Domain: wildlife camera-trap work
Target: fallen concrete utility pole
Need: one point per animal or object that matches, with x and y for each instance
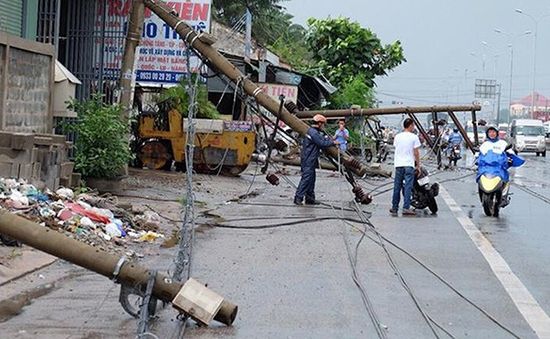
(201, 43)
(112, 267)
(340, 113)
(410, 111)
(371, 171)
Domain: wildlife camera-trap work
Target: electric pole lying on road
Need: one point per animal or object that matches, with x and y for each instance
(191, 298)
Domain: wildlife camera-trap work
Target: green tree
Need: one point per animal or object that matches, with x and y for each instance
(354, 92)
(177, 97)
(291, 49)
(101, 144)
(269, 19)
(271, 27)
(342, 49)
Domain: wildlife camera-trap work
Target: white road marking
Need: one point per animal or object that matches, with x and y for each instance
(520, 295)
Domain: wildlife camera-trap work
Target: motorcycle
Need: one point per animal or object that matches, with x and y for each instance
(454, 154)
(424, 193)
(493, 183)
(383, 151)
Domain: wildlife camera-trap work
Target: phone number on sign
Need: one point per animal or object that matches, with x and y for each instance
(158, 76)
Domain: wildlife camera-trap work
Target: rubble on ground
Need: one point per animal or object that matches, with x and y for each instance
(99, 221)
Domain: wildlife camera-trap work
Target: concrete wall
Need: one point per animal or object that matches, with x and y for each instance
(26, 85)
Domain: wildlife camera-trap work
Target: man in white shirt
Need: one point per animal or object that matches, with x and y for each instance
(406, 159)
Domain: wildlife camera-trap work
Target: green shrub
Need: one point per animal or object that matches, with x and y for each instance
(101, 146)
(177, 97)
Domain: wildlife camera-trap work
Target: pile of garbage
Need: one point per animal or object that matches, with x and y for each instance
(96, 220)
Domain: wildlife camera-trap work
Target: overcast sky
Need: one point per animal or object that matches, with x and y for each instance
(439, 37)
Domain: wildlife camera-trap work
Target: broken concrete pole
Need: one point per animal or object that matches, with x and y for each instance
(101, 262)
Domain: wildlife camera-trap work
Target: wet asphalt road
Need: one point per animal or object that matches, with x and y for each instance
(522, 232)
(296, 281)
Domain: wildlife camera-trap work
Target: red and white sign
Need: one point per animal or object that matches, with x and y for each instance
(161, 57)
(275, 90)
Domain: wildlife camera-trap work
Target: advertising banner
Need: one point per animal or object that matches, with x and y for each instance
(275, 90)
(161, 57)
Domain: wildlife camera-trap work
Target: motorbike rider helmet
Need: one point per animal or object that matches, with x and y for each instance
(490, 128)
(319, 118)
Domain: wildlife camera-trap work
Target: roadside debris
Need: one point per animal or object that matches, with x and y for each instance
(96, 220)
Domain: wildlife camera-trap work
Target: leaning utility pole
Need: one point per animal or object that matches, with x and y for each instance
(135, 28)
(201, 43)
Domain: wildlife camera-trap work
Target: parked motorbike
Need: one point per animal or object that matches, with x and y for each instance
(454, 154)
(424, 193)
(493, 187)
(383, 151)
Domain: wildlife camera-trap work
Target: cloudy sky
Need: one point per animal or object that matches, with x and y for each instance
(442, 40)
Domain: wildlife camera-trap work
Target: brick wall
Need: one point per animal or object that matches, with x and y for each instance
(26, 85)
(28, 92)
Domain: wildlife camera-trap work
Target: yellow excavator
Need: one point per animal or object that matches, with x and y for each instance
(221, 146)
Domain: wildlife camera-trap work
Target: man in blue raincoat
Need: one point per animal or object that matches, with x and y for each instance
(313, 142)
(494, 158)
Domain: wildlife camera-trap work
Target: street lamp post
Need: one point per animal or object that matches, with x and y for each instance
(482, 61)
(536, 22)
(495, 57)
(511, 46)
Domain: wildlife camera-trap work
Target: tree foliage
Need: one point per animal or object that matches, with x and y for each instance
(177, 97)
(271, 27)
(269, 19)
(343, 49)
(290, 48)
(354, 92)
(101, 144)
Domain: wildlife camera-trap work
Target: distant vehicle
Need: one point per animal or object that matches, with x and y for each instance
(528, 135)
(503, 131)
(547, 130)
(470, 132)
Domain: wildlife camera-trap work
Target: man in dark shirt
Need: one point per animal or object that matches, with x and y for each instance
(313, 142)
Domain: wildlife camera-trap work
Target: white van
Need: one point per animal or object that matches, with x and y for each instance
(527, 135)
(470, 132)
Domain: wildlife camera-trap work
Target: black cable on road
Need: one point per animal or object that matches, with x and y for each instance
(284, 224)
(442, 280)
(430, 322)
(533, 193)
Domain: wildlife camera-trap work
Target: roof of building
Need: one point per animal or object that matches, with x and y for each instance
(540, 100)
(62, 73)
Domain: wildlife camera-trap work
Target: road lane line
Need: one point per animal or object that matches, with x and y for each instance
(520, 295)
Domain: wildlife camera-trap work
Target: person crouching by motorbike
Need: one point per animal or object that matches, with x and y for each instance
(494, 159)
(313, 142)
